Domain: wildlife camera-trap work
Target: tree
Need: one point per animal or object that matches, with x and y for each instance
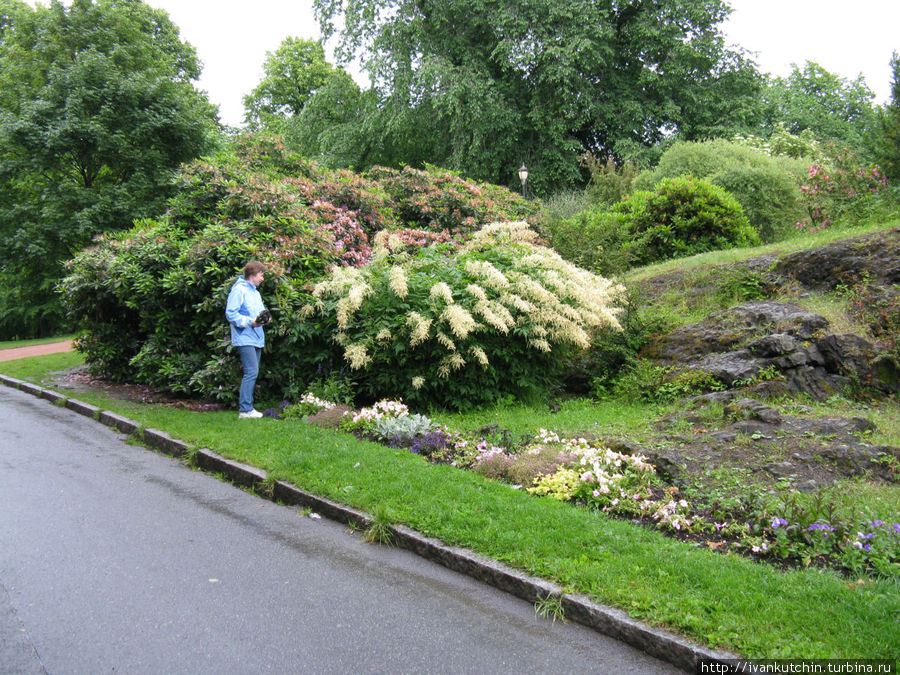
(316, 106)
(888, 132)
(482, 86)
(831, 107)
(292, 75)
(97, 111)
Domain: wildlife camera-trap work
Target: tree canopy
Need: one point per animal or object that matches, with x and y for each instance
(292, 75)
(97, 111)
(888, 130)
(831, 107)
(481, 87)
(315, 105)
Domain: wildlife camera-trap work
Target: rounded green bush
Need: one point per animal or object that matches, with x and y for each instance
(766, 187)
(681, 217)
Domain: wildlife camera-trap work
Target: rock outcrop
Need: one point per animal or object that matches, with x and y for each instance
(779, 339)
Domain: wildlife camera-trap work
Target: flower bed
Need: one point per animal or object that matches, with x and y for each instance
(585, 472)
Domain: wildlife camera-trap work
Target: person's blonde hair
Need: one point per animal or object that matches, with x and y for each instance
(253, 267)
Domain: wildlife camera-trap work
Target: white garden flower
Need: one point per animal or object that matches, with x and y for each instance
(357, 356)
(397, 281)
(460, 321)
(419, 328)
(441, 290)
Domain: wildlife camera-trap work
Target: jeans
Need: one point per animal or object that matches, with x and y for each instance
(250, 361)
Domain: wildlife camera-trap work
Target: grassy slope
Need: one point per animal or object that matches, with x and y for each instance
(728, 602)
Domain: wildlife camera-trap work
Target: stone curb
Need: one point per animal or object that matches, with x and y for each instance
(615, 623)
(123, 424)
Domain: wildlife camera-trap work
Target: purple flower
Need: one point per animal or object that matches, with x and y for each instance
(778, 522)
(896, 527)
(864, 547)
(877, 523)
(861, 535)
(820, 526)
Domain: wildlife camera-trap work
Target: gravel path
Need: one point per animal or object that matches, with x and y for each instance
(35, 350)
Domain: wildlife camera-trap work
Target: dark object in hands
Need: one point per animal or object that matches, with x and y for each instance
(264, 318)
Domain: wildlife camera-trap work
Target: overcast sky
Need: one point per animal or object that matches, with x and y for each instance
(846, 38)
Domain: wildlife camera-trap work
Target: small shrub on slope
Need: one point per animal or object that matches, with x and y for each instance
(683, 216)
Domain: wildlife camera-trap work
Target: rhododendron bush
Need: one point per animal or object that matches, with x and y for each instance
(390, 275)
(461, 325)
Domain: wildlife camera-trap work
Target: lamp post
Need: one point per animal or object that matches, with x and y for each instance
(523, 176)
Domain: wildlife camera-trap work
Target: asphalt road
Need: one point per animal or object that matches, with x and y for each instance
(114, 559)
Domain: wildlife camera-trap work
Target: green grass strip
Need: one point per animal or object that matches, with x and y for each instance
(731, 255)
(9, 344)
(723, 601)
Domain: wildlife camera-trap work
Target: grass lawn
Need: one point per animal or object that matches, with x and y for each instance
(727, 602)
(8, 344)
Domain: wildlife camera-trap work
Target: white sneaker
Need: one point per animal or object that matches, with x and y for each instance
(250, 414)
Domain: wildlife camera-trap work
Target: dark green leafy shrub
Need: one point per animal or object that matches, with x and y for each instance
(683, 216)
(613, 353)
(766, 187)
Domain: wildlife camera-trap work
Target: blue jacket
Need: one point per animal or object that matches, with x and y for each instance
(243, 306)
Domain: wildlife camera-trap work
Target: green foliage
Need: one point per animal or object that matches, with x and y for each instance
(331, 128)
(614, 354)
(291, 77)
(380, 530)
(594, 239)
(650, 383)
(500, 316)
(681, 217)
(151, 300)
(740, 285)
(832, 108)
(766, 187)
(97, 112)
(550, 607)
(887, 137)
(566, 204)
(481, 87)
(609, 182)
(782, 143)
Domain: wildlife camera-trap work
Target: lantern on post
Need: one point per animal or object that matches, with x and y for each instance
(523, 176)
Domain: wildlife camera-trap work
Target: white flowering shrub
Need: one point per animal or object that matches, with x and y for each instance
(458, 327)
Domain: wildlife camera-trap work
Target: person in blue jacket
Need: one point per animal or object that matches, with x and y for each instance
(247, 336)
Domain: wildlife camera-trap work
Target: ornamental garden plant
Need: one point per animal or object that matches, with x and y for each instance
(457, 326)
(358, 265)
(793, 531)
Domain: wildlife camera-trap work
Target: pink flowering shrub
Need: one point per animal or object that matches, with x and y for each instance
(436, 200)
(838, 189)
(151, 300)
